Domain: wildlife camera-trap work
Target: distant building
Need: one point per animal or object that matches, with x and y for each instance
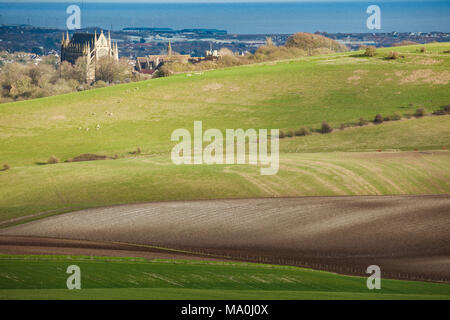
(212, 54)
(144, 65)
(92, 47)
(150, 63)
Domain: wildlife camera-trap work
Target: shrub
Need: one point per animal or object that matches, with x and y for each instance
(404, 43)
(164, 71)
(309, 42)
(223, 52)
(270, 53)
(87, 157)
(394, 117)
(421, 112)
(423, 49)
(99, 84)
(269, 41)
(303, 132)
(137, 151)
(110, 70)
(362, 122)
(282, 134)
(6, 167)
(325, 128)
(393, 55)
(408, 115)
(52, 160)
(370, 51)
(378, 119)
(228, 61)
(440, 112)
(290, 134)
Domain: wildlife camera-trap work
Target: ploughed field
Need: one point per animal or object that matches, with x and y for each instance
(407, 236)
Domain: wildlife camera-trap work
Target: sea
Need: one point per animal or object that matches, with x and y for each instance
(238, 18)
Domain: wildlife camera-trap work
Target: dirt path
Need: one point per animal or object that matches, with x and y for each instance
(407, 236)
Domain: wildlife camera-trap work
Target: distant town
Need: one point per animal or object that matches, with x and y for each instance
(37, 62)
(140, 42)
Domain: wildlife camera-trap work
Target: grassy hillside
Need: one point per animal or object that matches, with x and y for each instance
(429, 133)
(338, 88)
(33, 277)
(71, 186)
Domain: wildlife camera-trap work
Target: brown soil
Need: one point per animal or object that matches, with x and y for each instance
(52, 246)
(407, 236)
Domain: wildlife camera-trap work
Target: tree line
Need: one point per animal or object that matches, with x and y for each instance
(22, 81)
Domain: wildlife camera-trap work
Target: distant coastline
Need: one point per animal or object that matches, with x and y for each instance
(237, 18)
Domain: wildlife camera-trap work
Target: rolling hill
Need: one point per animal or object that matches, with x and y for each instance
(338, 88)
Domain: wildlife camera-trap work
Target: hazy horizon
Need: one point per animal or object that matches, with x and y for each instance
(239, 17)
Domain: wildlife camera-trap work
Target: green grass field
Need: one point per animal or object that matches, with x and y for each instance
(338, 88)
(44, 277)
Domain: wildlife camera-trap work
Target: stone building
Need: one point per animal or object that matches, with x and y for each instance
(91, 47)
(153, 62)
